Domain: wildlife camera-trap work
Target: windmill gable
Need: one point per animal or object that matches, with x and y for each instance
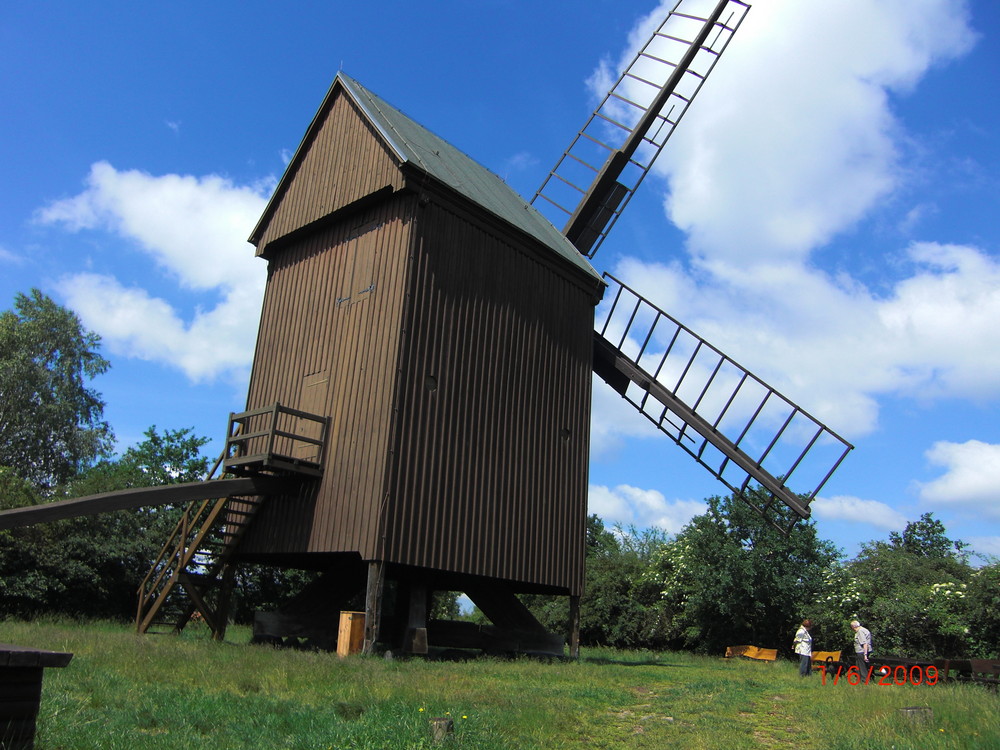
(434, 156)
(341, 161)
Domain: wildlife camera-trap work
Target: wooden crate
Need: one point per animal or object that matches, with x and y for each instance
(351, 636)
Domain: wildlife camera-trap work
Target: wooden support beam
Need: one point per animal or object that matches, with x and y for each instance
(501, 605)
(574, 627)
(227, 580)
(373, 604)
(169, 494)
(194, 593)
(415, 637)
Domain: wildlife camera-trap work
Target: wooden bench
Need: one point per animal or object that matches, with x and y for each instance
(21, 691)
(980, 671)
(825, 659)
(752, 652)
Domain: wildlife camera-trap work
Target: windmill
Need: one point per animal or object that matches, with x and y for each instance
(418, 409)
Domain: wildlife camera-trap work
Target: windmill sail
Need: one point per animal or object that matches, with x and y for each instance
(738, 427)
(593, 181)
(733, 423)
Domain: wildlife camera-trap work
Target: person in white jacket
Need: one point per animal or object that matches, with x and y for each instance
(862, 645)
(803, 646)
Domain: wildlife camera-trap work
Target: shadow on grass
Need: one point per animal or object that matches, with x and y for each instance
(465, 655)
(604, 661)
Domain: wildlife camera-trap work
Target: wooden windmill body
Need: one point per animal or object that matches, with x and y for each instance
(445, 328)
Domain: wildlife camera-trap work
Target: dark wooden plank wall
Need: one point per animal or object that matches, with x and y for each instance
(323, 353)
(497, 368)
(343, 162)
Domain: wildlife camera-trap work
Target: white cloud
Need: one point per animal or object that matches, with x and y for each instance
(941, 323)
(834, 346)
(521, 161)
(195, 229)
(792, 141)
(135, 324)
(613, 420)
(908, 224)
(633, 506)
(855, 510)
(7, 256)
(985, 545)
(971, 479)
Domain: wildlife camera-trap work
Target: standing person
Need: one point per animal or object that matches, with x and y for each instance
(862, 646)
(803, 646)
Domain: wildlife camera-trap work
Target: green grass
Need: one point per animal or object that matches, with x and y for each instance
(125, 691)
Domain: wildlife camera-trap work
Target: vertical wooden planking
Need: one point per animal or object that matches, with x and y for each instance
(358, 342)
(450, 380)
(481, 483)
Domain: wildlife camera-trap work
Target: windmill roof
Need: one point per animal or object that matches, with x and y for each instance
(416, 145)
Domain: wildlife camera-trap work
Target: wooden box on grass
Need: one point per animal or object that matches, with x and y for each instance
(352, 633)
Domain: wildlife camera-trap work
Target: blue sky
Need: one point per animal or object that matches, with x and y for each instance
(826, 213)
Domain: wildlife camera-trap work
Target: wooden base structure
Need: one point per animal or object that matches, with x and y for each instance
(397, 604)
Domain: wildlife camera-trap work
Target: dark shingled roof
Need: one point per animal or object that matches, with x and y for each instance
(433, 155)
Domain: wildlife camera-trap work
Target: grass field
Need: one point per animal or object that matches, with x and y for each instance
(124, 691)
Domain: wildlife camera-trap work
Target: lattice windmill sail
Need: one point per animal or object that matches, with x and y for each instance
(730, 421)
(591, 184)
(735, 425)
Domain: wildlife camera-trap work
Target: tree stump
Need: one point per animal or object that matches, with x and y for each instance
(918, 714)
(442, 727)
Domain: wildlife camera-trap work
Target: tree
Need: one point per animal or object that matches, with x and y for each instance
(600, 541)
(618, 606)
(730, 577)
(51, 422)
(983, 607)
(170, 458)
(91, 566)
(926, 538)
(265, 588)
(912, 591)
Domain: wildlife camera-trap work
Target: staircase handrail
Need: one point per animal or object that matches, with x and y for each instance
(161, 567)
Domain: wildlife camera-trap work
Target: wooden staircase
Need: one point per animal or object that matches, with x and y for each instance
(192, 573)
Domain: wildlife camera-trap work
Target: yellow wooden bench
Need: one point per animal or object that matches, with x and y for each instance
(819, 658)
(752, 652)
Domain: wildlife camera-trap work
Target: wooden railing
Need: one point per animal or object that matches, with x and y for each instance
(276, 438)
